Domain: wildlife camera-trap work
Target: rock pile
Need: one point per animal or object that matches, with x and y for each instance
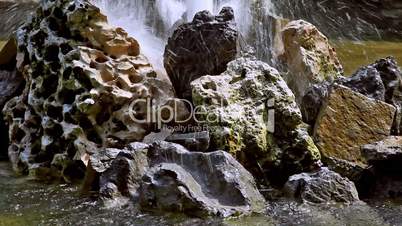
(167, 177)
(81, 77)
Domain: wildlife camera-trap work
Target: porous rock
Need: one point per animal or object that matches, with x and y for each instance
(308, 57)
(167, 177)
(322, 186)
(252, 114)
(349, 120)
(81, 77)
(201, 47)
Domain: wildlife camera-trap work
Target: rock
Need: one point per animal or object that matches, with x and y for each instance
(381, 80)
(83, 78)
(349, 120)
(201, 47)
(8, 52)
(167, 177)
(252, 114)
(385, 160)
(322, 186)
(198, 141)
(308, 57)
(386, 150)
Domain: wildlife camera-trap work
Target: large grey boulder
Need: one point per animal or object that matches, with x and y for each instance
(252, 114)
(322, 186)
(201, 47)
(167, 177)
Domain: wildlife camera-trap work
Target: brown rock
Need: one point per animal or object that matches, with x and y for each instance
(8, 52)
(349, 120)
(308, 57)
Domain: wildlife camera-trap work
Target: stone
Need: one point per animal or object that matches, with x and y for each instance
(349, 120)
(198, 141)
(381, 81)
(385, 150)
(252, 114)
(164, 176)
(201, 47)
(308, 57)
(86, 87)
(385, 160)
(8, 52)
(323, 186)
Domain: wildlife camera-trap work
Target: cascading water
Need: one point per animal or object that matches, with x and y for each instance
(152, 21)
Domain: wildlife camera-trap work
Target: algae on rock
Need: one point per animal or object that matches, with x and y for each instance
(252, 114)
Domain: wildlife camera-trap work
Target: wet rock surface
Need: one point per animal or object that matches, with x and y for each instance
(348, 120)
(167, 177)
(385, 160)
(202, 47)
(245, 99)
(322, 186)
(82, 75)
(308, 57)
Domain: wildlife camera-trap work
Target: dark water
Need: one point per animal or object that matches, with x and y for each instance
(25, 202)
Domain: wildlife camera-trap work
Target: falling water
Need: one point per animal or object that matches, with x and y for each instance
(152, 21)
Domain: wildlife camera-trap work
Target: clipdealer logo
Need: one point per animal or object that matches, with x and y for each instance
(166, 114)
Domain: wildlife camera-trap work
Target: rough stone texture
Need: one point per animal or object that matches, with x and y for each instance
(202, 47)
(11, 85)
(381, 80)
(348, 120)
(198, 141)
(321, 187)
(308, 56)
(167, 177)
(385, 160)
(82, 75)
(388, 149)
(252, 114)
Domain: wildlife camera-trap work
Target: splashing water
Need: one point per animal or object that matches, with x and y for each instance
(151, 22)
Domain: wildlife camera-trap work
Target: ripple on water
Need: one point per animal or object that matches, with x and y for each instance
(25, 202)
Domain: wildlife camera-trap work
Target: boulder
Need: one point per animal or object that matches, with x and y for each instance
(381, 81)
(83, 80)
(385, 160)
(11, 85)
(252, 114)
(201, 47)
(167, 177)
(198, 141)
(308, 57)
(322, 186)
(349, 120)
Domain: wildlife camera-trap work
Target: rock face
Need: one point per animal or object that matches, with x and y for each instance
(167, 177)
(252, 114)
(202, 47)
(82, 75)
(321, 187)
(381, 80)
(11, 85)
(348, 120)
(308, 56)
(385, 160)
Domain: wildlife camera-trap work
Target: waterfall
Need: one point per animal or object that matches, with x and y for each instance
(151, 21)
